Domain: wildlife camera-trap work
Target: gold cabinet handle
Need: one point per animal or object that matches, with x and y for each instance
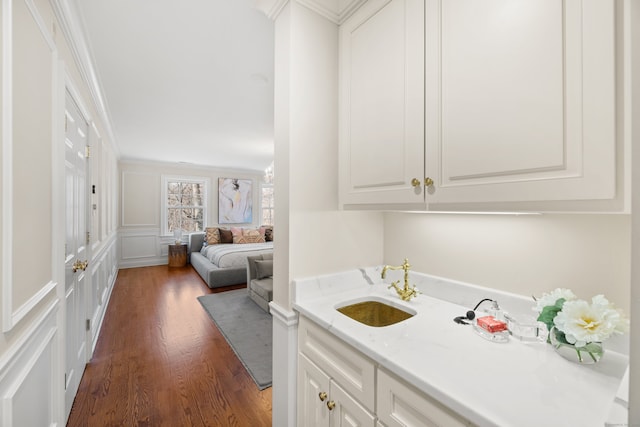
(322, 395)
(415, 182)
(331, 404)
(428, 182)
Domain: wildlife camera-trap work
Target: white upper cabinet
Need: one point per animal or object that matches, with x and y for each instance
(382, 103)
(519, 103)
(520, 100)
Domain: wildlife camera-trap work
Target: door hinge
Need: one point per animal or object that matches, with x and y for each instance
(65, 380)
(88, 237)
(88, 324)
(87, 151)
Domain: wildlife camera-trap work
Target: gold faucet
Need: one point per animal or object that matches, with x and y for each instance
(406, 293)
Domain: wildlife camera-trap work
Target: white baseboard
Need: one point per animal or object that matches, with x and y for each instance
(285, 352)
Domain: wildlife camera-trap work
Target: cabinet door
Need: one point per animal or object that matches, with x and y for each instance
(322, 402)
(382, 103)
(520, 100)
(400, 405)
(344, 364)
(347, 412)
(313, 394)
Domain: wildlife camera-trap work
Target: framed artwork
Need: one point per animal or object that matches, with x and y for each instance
(235, 201)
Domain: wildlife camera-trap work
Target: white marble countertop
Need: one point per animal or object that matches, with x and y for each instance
(491, 384)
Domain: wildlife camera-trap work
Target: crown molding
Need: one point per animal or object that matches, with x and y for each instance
(72, 30)
(336, 11)
(271, 8)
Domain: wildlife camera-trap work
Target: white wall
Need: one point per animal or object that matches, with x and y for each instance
(321, 239)
(37, 64)
(523, 254)
(312, 236)
(633, 7)
(142, 242)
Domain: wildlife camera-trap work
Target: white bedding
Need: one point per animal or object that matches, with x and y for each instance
(234, 255)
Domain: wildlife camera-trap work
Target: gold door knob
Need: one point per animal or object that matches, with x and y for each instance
(428, 182)
(322, 395)
(79, 265)
(415, 182)
(331, 404)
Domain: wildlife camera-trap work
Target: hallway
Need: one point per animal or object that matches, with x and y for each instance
(161, 361)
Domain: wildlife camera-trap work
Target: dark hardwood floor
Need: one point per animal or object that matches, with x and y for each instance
(161, 361)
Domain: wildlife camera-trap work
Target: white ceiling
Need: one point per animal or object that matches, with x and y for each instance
(188, 81)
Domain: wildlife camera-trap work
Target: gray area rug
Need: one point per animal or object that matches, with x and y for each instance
(247, 329)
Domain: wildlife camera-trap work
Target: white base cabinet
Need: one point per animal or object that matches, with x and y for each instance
(323, 403)
(337, 386)
(400, 405)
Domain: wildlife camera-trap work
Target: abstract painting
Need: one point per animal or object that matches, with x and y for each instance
(235, 201)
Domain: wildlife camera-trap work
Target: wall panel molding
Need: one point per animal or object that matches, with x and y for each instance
(123, 195)
(11, 316)
(103, 277)
(30, 372)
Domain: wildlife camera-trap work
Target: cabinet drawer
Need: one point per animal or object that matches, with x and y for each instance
(401, 405)
(354, 372)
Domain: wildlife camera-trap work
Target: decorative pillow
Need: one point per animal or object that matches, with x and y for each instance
(247, 235)
(226, 236)
(213, 235)
(268, 234)
(264, 268)
(203, 249)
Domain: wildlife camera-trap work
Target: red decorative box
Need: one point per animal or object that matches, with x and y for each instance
(491, 324)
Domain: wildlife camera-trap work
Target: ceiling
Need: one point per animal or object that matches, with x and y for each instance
(188, 81)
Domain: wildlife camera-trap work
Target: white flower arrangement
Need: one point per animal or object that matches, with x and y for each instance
(579, 322)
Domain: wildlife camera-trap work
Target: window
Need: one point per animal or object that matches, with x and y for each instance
(266, 192)
(185, 202)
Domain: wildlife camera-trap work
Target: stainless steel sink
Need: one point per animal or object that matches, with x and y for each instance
(375, 313)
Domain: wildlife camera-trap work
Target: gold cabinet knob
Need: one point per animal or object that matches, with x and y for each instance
(331, 404)
(428, 182)
(322, 395)
(415, 182)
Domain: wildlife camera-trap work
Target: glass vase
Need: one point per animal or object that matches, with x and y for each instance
(588, 354)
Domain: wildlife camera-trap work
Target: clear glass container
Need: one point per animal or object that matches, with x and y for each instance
(500, 337)
(526, 328)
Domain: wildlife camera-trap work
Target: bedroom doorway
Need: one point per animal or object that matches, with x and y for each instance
(76, 248)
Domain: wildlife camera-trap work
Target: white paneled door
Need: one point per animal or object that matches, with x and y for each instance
(76, 248)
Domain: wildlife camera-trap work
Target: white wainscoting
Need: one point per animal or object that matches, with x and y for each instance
(30, 372)
(104, 271)
(32, 369)
(143, 248)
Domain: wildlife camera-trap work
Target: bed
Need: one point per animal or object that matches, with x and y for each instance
(223, 264)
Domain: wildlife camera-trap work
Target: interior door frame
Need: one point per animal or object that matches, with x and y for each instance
(66, 84)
